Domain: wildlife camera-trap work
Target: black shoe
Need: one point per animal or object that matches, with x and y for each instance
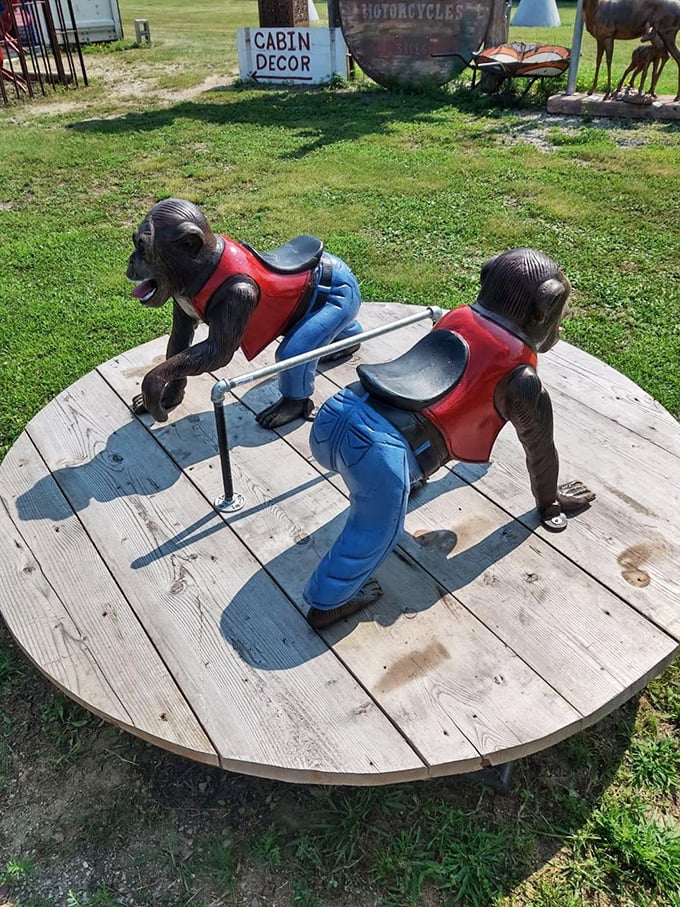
(322, 617)
(340, 355)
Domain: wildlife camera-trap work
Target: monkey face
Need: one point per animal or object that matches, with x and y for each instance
(150, 268)
(173, 246)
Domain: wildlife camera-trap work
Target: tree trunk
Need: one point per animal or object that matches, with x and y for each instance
(497, 32)
(283, 13)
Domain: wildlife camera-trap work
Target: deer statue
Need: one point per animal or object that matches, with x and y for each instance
(652, 54)
(608, 20)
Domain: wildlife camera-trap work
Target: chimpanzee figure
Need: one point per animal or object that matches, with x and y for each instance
(445, 399)
(246, 298)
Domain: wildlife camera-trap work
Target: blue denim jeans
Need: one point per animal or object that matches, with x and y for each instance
(335, 320)
(378, 467)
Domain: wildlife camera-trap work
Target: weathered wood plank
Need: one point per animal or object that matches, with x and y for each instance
(443, 699)
(595, 385)
(596, 653)
(593, 648)
(564, 645)
(519, 603)
(435, 666)
(43, 628)
(272, 697)
(629, 539)
(72, 621)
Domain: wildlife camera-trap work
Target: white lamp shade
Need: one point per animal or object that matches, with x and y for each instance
(537, 14)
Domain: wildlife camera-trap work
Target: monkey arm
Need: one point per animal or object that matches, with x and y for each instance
(182, 333)
(227, 315)
(522, 400)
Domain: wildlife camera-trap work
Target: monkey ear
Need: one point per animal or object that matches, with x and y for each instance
(551, 294)
(191, 239)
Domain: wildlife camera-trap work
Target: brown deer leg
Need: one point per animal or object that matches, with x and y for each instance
(598, 60)
(609, 49)
(669, 41)
(656, 75)
(623, 77)
(643, 78)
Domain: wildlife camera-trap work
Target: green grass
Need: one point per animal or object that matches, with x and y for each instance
(655, 764)
(416, 191)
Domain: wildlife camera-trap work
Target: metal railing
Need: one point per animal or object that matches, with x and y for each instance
(39, 47)
(231, 501)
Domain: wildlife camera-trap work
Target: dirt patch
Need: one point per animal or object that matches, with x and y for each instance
(126, 84)
(547, 131)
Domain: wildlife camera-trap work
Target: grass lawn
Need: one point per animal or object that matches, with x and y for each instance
(415, 191)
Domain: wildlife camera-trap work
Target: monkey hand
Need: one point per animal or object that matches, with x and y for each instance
(574, 495)
(570, 497)
(152, 397)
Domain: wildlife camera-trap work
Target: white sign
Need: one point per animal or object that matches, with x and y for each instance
(96, 20)
(301, 56)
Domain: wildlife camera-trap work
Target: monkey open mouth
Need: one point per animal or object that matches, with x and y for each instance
(145, 290)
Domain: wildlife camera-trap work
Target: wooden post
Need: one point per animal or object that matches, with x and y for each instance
(333, 13)
(499, 24)
(283, 13)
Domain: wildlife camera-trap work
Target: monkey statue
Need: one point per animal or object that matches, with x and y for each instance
(444, 399)
(246, 298)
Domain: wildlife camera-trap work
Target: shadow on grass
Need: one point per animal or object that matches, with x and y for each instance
(322, 118)
(325, 116)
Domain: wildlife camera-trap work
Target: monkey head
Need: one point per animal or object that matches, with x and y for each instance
(175, 250)
(526, 289)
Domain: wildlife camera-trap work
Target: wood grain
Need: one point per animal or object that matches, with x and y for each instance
(291, 518)
(110, 664)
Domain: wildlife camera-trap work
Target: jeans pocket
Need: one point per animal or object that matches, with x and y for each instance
(355, 448)
(324, 424)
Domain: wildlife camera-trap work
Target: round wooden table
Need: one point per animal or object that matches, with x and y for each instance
(493, 639)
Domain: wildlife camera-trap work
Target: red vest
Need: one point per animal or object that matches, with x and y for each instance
(280, 295)
(467, 418)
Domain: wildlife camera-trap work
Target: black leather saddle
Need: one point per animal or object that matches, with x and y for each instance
(420, 377)
(300, 254)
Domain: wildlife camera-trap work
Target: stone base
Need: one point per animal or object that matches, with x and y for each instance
(662, 108)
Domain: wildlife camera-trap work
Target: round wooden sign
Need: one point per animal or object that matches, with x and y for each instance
(414, 43)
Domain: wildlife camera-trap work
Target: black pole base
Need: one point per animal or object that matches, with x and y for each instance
(497, 777)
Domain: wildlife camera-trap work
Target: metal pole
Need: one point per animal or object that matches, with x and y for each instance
(432, 312)
(230, 502)
(3, 90)
(76, 38)
(333, 13)
(31, 38)
(575, 48)
(66, 43)
(18, 47)
(38, 25)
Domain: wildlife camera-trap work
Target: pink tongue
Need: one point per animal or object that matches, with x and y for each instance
(141, 290)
